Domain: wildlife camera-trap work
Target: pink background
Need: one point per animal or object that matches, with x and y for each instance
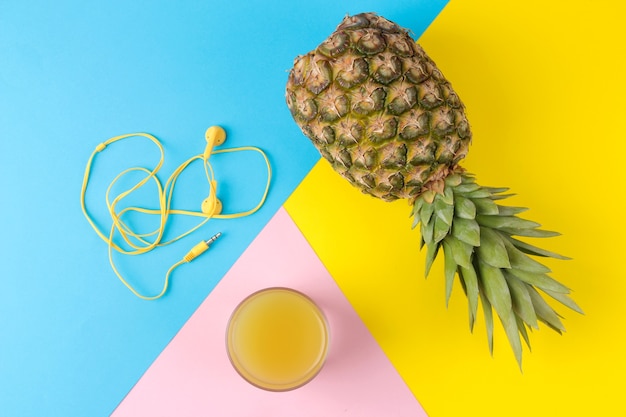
(193, 376)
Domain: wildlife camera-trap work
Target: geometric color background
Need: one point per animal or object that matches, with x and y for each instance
(543, 86)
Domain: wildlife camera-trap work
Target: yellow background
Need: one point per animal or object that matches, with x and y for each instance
(544, 90)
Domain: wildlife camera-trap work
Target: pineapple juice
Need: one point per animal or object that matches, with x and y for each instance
(277, 339)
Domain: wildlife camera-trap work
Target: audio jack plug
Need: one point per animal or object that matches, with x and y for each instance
(200, 248)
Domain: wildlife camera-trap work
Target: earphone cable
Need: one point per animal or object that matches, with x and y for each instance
(141, 243)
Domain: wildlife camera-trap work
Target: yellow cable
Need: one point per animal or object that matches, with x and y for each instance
(141, 243)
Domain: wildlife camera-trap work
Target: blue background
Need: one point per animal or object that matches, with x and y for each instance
(73, 339)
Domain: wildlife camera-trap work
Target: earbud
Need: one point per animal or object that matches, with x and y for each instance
(211, 206)
(215, 134)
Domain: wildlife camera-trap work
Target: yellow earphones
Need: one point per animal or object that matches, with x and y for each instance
(215, 136)
(140, 243)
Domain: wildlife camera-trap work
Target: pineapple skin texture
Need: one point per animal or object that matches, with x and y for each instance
(378, 109)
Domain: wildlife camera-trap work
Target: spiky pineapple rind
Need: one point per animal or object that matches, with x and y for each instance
(475, 233)
(378, 109)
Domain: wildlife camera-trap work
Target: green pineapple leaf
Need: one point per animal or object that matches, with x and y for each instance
(470, 281)
(460, 251)
(448, 197)
(464, 208)
(427, 231)
(466, 230)
(510, 210)
(499, 221)
(495, 286)
(529, 232)
(542, 281)
(478, 194)
(498, 294)
(534, 250)
(450, 268)
(441, 229)
(492, 250)
(565, 300)
(431, 254)
(509, 322)
(466, 187)
(519, 260)
(522, 303)
(522, 330)
(426, 212)
(502, 196)
(444, 211)
(496, 190)
(545, 313)
(488, 314)
(453, 180)
(485, 206)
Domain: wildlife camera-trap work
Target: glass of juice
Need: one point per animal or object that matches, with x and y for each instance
(277, 339)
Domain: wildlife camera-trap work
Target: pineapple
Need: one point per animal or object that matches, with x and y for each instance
(381, 113)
